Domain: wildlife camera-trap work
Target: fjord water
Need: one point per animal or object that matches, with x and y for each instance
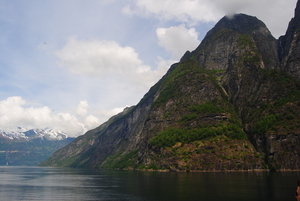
(41, 183)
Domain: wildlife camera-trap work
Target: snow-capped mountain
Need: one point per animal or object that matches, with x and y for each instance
(28, 134)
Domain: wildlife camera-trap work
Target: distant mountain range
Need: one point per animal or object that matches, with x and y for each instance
(21, 133)
(23, 146)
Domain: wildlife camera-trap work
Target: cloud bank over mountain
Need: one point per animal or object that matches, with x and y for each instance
(193, 12)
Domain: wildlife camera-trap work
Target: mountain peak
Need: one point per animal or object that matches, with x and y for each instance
(21, 133)
(223, 42)
(242, 23)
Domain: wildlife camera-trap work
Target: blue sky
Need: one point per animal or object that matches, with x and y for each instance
(72, 64)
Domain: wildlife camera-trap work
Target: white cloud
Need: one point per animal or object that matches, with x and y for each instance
(145, 77)
(82, 108)
(180, 10)
(96, 58)
(13, 113)
(114, 64)
(92, 122)
(109, 113)
(193, 11)
(177, 39)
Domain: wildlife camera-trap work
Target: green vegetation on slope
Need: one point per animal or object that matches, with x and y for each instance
(206, 108)
(280, 113)
(120, 160)
(171, 136)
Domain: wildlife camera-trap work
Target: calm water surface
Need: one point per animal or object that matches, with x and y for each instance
(39, 183)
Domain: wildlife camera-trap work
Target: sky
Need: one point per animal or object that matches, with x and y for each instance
(70, 65)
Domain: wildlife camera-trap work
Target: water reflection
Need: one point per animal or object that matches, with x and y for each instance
(36, 183)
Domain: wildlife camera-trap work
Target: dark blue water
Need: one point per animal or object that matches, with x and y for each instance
(38, 183)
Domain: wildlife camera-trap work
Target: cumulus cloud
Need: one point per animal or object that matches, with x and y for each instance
(107, 59)
(82, 108)
(15, 112)
(193, 11)
(110, 113)
(177, 39)
(180, 10)
(95, 57)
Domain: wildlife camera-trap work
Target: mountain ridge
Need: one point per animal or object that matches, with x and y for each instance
(231, 104)
(21, 133)
(24, 146)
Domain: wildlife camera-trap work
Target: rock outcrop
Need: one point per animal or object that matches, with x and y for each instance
(231, 104)
(289, 46)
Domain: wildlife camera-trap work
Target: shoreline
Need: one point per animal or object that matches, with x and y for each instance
(250, 170)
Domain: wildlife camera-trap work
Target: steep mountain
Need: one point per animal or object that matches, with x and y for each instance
(23, 146)
(231, 104)
(289, 46)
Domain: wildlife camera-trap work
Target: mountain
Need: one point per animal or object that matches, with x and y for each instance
(28, 134)
(22, 146)
(231, 104)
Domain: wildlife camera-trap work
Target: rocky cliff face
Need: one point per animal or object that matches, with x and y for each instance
(289, 46)
(231, 104)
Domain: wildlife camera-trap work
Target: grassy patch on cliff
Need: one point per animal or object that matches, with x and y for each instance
(207, 107)
(251, 55)
(280, 113)
(171, 136)
(286, 86)
(285, 120)
(265, 123)
(245, 41)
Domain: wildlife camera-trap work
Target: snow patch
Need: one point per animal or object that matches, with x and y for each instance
(21, 133)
